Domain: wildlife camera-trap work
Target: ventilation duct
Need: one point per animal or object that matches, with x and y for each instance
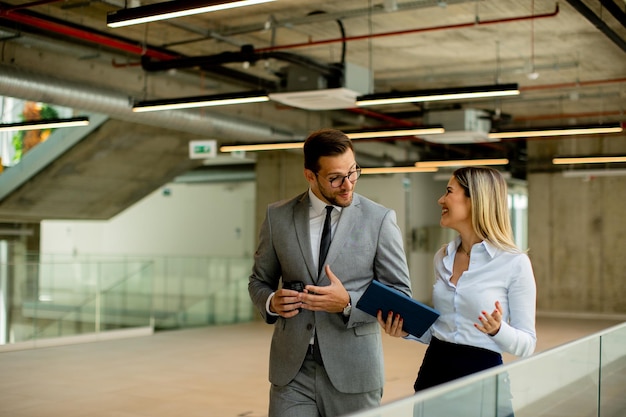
(19, 83)
(462, 126)
(308, 89)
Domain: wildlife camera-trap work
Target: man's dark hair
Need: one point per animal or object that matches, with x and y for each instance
(324, 142)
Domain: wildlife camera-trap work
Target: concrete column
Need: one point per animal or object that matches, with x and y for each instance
(577, 231)
(279, 176)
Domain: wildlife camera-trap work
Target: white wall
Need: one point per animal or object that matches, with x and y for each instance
(190, 220)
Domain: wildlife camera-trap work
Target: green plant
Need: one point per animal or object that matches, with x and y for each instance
(46, 112)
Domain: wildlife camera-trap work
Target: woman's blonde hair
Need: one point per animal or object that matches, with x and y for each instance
(487, 191)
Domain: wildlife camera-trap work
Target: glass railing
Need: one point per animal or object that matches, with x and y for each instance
(191, 292)
(63, 299)
(61, 295)
(583, 378)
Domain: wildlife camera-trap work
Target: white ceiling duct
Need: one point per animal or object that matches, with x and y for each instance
(462, 126)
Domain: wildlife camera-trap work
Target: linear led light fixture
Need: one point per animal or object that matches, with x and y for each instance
(396, 170)
(439, 94)
(588, 160)
(559, 131)
(355, 136)
(462, 163)
(201, 101)
(172, 9)
(45, 124)
(385, 133)
(445, 175)
(261, 147)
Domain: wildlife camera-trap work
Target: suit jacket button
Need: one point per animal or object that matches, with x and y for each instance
(309, 326)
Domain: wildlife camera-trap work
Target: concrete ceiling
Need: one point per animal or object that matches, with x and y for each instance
(568, 58)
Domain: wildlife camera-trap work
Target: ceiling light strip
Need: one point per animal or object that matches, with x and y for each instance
(461, 163)
(172, 10)
(201, 101)
(261, 147)
(396, 170)
(353, 136)
(461, 93)
(589, 160)
(45, 124)
(561, 131)
(431, 130)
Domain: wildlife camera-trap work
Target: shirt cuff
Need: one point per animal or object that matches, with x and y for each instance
(267, 305)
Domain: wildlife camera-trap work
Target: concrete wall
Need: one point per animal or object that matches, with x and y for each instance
(577, 233)
(577, 237)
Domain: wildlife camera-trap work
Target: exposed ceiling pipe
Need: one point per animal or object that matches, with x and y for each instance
(164, 55)
(615, 10)
(566, 116)
(77, 32)
(117, 43)
(246, 54)
(16, 82)
(582, 8)
(589, 83)
(413, 31)
(327, 16)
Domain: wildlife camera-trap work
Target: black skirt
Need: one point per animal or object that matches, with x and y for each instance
(444, 362)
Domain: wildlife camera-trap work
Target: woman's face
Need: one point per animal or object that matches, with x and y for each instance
(455, 207)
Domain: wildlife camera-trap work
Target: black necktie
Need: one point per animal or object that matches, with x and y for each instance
(325, 241)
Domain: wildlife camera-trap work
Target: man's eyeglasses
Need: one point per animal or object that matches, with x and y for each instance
(337, 182)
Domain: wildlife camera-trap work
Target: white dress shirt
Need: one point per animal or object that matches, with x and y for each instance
(493, 275)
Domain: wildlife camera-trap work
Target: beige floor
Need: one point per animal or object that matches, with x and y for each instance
(214, 371)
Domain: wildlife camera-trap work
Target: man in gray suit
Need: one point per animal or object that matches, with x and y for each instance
(326, 356)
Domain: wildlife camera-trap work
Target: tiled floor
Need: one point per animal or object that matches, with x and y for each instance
(215, 371)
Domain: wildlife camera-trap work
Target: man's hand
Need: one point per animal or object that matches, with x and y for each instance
(285, 303)
(331, 298)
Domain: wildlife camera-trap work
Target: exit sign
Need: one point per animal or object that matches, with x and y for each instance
(202, 149)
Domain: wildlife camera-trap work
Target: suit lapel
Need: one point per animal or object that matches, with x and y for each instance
(301, 223)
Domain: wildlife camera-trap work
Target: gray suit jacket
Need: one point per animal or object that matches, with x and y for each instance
(367, 244)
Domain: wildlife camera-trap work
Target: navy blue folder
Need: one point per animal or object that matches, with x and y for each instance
(418, 317)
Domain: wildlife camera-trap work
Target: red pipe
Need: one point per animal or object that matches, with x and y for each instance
(568, 116)
(573, 84)
(139, 49)
(410, 31)
(380, 116)
(122, 45)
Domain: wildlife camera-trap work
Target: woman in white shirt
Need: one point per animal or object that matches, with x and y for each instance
(484, 285)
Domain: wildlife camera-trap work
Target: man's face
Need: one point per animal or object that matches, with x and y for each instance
(335, 170)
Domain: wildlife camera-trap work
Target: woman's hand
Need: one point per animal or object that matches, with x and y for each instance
(393, 324)
(490, 323)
